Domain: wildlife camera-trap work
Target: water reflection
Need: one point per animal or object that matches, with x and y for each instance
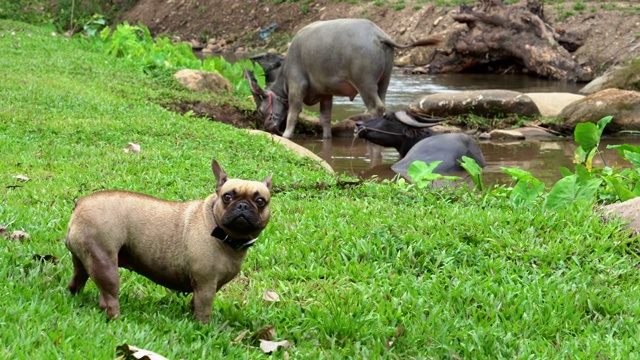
(541, 158)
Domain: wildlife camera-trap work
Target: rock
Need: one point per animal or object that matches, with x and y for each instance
(501, 134)
(625, 77)
(551, 104)
(627, 211)
(300, 150)
(202, 81)
(487, 103)
(536, 133)
(623, 105)
(346, 127)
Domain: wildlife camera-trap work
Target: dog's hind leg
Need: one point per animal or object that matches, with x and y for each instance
(80, 276)
(104, 272)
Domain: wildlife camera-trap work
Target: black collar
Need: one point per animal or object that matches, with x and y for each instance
(237, 244)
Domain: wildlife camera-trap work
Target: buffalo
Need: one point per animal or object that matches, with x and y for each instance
(341, 57)
(412, 137)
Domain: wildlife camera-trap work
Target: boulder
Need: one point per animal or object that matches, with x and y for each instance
(628, 211)
(501, 134)
(623, 105)
(551, 104)
(625, 77)
(486, 103)
(203, 81)
(300, 150)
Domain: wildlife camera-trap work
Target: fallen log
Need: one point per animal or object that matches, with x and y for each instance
(511, 37)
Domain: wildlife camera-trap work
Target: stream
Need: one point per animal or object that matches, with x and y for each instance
(542, 158)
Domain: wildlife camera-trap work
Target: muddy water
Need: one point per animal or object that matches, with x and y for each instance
(351, 156)
(541, 158)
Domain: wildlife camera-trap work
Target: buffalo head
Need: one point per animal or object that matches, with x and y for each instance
(271, 106)
(398, 130)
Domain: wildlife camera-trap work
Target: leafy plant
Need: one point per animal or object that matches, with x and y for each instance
(422, 173)
(137, 44)
(527, 189)
(474, 170)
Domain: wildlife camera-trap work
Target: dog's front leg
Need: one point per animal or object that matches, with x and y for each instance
(202, 301)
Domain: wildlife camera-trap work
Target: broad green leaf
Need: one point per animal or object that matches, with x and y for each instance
(474, 170)
(565, 171)
(569, 191)
(623, 193)
(633, 157)
(587, 135)
(625, 147)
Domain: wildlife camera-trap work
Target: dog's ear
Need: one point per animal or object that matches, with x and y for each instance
(221, 176)
(267, 181)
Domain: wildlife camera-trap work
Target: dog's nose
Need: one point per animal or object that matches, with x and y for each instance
(243, 206)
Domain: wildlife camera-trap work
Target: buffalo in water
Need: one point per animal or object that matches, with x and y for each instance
(411, 137)
(341, 57)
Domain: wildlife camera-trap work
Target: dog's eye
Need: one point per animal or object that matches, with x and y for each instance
(261, 202)
(227, 198)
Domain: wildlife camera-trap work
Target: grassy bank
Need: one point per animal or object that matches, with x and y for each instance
(372, 271)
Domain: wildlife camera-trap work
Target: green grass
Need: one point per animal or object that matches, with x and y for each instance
(369, 271)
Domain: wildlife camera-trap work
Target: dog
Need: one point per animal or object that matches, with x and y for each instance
(194, 246)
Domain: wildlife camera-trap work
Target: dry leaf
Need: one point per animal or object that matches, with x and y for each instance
(240, 337)
(22, 178)
(268, 332)
(131, 352)
(46, 258)
(132, 147)
(270, 346)
(270, 296)
(20, 235)
(3, 231)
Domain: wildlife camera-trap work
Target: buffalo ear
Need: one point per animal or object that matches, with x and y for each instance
(257, 92)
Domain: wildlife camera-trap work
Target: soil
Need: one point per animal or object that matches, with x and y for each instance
(609, 30)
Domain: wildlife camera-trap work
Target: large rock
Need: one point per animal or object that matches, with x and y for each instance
(628, 211)
(626, 77)
(623, 105)
(203, 81)
(486, 103)
(551, 104)
(300, 150)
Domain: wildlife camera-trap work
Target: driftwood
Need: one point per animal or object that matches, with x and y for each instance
(503, 38)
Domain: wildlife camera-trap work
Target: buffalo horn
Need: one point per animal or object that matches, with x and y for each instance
(404, 118)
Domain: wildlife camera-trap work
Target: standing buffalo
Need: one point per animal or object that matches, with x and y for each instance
(340, 57)
(414, 141)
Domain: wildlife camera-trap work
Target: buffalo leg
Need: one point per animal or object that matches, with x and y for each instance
(295, 108)
(325, 117)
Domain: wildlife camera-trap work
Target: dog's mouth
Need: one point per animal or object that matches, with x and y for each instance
(242, 225)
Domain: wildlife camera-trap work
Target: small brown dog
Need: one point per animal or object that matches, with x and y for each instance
(194, 246)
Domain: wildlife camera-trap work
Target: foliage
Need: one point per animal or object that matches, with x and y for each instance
(579, 189)
(63, 15)
(136, 44)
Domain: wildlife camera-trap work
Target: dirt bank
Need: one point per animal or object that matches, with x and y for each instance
(609, 30)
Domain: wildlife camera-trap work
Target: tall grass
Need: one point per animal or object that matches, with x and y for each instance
(368, 271)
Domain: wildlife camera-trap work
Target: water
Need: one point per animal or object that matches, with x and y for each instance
(542, 158)
(404, 89)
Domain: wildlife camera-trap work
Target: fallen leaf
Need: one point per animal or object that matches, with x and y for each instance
(46, 258)
(270, 346)
(270, 296)
(240, 337)
(268, 332)
(132, 147)
(19, 235)
(3, 231)
(127, 352)
(22, 178)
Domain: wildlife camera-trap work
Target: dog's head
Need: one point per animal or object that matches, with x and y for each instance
(241, 209)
